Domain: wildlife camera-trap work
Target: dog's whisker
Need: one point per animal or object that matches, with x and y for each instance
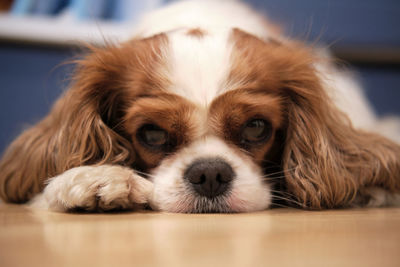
(280, 205)
(274, 176)
(120, 122)
(282, 193)
(144, 174)
(280, 172)
(272, 179)
(273, 163)
(288, 200)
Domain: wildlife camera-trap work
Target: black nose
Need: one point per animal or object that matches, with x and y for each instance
(210, 177)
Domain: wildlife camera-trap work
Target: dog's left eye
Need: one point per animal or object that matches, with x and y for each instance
(153, 136)
(256, 131)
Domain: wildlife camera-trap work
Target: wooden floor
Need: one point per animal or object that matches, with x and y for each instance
(281, 237)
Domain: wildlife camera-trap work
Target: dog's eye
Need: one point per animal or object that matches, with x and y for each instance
(153, 136)
(256, 131)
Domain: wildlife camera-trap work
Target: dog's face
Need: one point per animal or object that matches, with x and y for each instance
(215, 119)
(205, 132)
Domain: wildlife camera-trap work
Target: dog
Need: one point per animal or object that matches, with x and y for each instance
(209, 108)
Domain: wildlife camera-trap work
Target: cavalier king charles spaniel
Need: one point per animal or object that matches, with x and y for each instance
(209, 108)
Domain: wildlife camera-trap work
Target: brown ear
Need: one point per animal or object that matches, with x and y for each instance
(326, 161)
(84, 126)
(76, 132)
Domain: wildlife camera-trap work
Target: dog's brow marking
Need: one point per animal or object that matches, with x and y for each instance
(196, 32)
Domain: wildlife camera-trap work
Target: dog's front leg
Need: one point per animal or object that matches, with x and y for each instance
(94, 188)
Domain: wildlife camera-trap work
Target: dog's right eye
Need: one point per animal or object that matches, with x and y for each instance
(256, 131)
(153, 136)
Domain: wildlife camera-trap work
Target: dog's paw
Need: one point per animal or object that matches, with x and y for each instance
(95, 188)
(372, 197)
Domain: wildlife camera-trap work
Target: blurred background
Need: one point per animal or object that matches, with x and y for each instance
(37, 36)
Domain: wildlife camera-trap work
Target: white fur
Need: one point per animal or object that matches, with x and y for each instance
(198, 68)
(191, 72)
(90, 188)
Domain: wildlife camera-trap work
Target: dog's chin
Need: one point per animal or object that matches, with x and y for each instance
(249, 198)
(201, 204)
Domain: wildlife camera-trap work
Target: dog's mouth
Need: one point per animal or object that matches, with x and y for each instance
(217, 204)
(209, 177)
(194, 203)
(229, 202)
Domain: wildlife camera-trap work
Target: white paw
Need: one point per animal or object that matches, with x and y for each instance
(372, 197)
(95, 188)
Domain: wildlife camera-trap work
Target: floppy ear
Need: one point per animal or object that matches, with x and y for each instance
(82, 128)
(85, 125)
(326, 161)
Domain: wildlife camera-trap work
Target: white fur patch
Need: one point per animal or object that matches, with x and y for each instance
(199, 66)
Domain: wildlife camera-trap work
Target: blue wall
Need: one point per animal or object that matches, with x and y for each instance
(31, 78)
(362, 22)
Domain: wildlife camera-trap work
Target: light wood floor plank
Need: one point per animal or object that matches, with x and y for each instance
(280, 237)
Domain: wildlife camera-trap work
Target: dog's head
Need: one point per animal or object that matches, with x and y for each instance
(219, 121)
